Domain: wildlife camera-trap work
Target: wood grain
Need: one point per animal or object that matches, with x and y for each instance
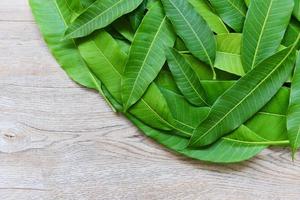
(60, 141)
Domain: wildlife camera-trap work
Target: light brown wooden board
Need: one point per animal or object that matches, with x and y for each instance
(60, 141)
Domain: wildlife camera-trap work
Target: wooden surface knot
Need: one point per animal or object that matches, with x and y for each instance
(13, 138)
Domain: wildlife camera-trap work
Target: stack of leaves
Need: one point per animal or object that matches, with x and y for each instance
(214, 80)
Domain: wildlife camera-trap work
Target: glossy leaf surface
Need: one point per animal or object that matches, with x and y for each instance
(192, 29)
(293, 116)
(147, 55)
(186, 79)
(100, 14)
(241, 102)
(233, 12)
(264, 29)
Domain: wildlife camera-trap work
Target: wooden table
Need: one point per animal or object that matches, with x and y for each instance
(60, 141)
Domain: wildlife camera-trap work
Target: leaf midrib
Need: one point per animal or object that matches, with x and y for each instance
(102, 13)
(266, 142)
(164, 120)
(242, 100)
(191, 27)
(233, 5)
(194, 89)
(144, 61)
(261, 34)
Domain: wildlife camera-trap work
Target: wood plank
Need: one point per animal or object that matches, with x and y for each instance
(60, 141)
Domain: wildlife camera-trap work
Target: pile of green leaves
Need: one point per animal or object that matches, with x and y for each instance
(215, 80)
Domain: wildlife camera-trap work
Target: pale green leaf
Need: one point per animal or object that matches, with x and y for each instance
(228, 53)
(213, 20)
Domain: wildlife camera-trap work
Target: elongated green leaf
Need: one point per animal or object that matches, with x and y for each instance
(137, 16)
(147, 55)
(245, 97)
(296, 11)
(212, 19)
(99, 15)
(86, 3)
(293, 117)
(228, 53)
(186, 79)
(247, 2)
(102, 53)
(292, 33)
(241, 145)
(233, 12)
(124, 28)
(192, 28)
(105, 58)
(202, 70)
(53, 17)
(158, 113)
(186, 117)
(271, 113)
(264, 29)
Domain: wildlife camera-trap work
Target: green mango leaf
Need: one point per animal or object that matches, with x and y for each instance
(186, 117)
(102, 53)
(86, 3)
(137, 15)
(147, 55)
(247, 96)
(104, 57)
(158, 113)
(202, 70)
(186, 79)
(247, 2)
(273, 113)
(296, 11)
(123, 26)
(233, 12)
(212, 19)
(226, 150)
(292, 33)
(53, 16)
(99, 15)
(293, 116)
(192, 29)
(228, 56)
(264, 29)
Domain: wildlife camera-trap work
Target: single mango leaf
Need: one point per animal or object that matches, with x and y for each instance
(100, 14)
(264, 29)
(147, 55)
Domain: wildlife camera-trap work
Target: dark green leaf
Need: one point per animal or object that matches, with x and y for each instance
(192, 28)
(147, 55)
(99, 15)
(264, 29)
(245, 97)
(233, 12)
(186, 79)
